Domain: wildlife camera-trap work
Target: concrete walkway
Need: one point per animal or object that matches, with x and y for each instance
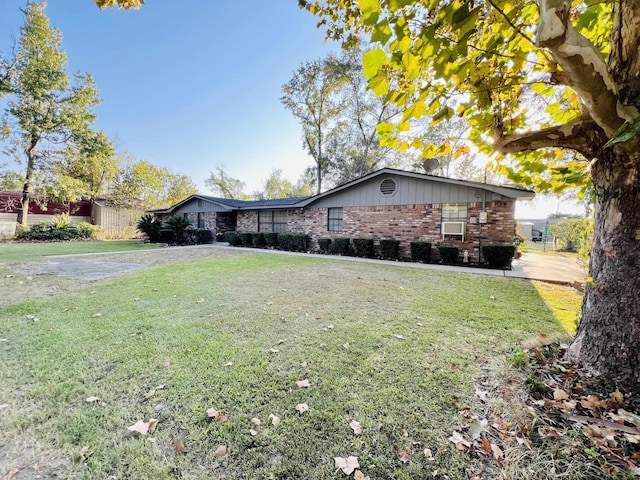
(532, 266)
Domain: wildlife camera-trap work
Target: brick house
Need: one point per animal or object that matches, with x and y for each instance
(387, 203)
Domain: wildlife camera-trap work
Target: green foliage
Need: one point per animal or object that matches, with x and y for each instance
(233, 238)
(258, 240)
(150, 225)
(246, 239)
(519, 358)
(364, 247)
(420, 252)
(498, 256)
(222, 185)
(293, 242)
(271, 239)
(572, 233)
(198, 236)
(340, 246)
(167, 235)
(448, 254)
(324, 244)
(58, 231)
(178, 225)
(390, 249)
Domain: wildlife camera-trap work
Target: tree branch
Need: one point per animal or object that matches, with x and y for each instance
(585, 70)
(576, 135)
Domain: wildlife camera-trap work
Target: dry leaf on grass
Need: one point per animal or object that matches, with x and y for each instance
(273, 350)
(399, 337)
(360, 476)
(149, 394)
(222, 418)
(460, 442)
(304, 364)
(302, 407)
(428, 454)
(92, 399)
(212, 413)
(303, 383)
(347, 465)
(275, 420)
(253, 432)
(404, 456)
(221, 451)
(559, 394)
(498, 454)
(256, 421)
(96, 315)
(179, 446)
(228, 364)
(356, 427)
(85, 453)
(141, 427)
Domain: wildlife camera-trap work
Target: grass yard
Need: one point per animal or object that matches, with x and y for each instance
(395, 349)
(21, 252)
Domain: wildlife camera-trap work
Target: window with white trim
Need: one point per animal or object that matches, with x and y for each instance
(200, 219)
(454, 212)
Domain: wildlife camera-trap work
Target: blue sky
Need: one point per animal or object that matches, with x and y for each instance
(191, 84)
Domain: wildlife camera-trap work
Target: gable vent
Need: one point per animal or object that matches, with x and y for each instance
(388, 187)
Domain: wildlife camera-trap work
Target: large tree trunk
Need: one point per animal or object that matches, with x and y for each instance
(23, 210)
(608, 338)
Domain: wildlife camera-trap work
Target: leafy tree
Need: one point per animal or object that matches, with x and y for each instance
(583, 59)
(571, 233)
(221, 184)
(11, 181)
(141, 184)
(310, 96)
(45, 112)
(278, 187)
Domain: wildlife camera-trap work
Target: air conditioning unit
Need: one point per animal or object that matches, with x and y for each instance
(453, 228)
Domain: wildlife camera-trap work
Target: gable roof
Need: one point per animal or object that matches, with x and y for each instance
(507, 191)
(229, 204)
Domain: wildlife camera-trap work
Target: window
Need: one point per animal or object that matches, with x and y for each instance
(334, 220)
(185, 216)
(454, 212)
(272, 221)
(200, 219)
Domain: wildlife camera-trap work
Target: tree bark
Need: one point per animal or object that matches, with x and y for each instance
(23, 210)
(608, 334)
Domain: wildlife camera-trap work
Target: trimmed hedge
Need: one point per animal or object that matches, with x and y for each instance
(390, 249)
(449, 254)
(198, 236)
(271, 239)
(233, 238)
(364, 247)
(58, 232)
(246, 239)
(498, 256)
(167, 235)
(420, 252)
(293, 242)
(340, 246)
(324, 244)
(258, 240)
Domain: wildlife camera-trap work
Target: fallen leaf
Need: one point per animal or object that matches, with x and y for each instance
(460, 442)
(256, 421)
(399, 337)
(212, 413)
(592, 401)
(360, 476)
(161, 387)
(200, 300)
(141, 427)
(167, 364)
(346, 346)
(498, 454)
(179, 446)
(85, 453)
(92, 399)
(222, 418)
(617, 396)
(486, 445)
(559, 394)
(404, 456)
(304, 364)
(275, 420)
(428, 454)
(253, 432)
(347, 465)
(302, 407)
(629, 417)
(273, 350)
(330, 327)
(33, 318)
(476, 427)
(228, 364)
(221, 451)
(303, 383)
(149, 394)
(356, 427)
(96, 315)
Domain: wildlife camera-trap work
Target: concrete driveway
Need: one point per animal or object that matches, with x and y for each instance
(555, 268)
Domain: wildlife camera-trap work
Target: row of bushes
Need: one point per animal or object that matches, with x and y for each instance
(57, 230)
(176, 230)
(496, 256)
(292, 242)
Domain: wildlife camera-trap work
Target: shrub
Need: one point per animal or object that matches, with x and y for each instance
(58, 230)
(271, 239)
(167, 235)
(178, 225)
(150, 225)
(246, 239)
(258, 240)
(420, 252)
(200, 235)
(340, 246)
(293, 242)
(324, 244)
(498, 256)
(390, 249)
(233, 238)
(364, 247)
(448, 254)
(86, 230)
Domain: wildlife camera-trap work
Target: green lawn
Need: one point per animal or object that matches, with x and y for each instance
(22, 252)
(396, 349)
